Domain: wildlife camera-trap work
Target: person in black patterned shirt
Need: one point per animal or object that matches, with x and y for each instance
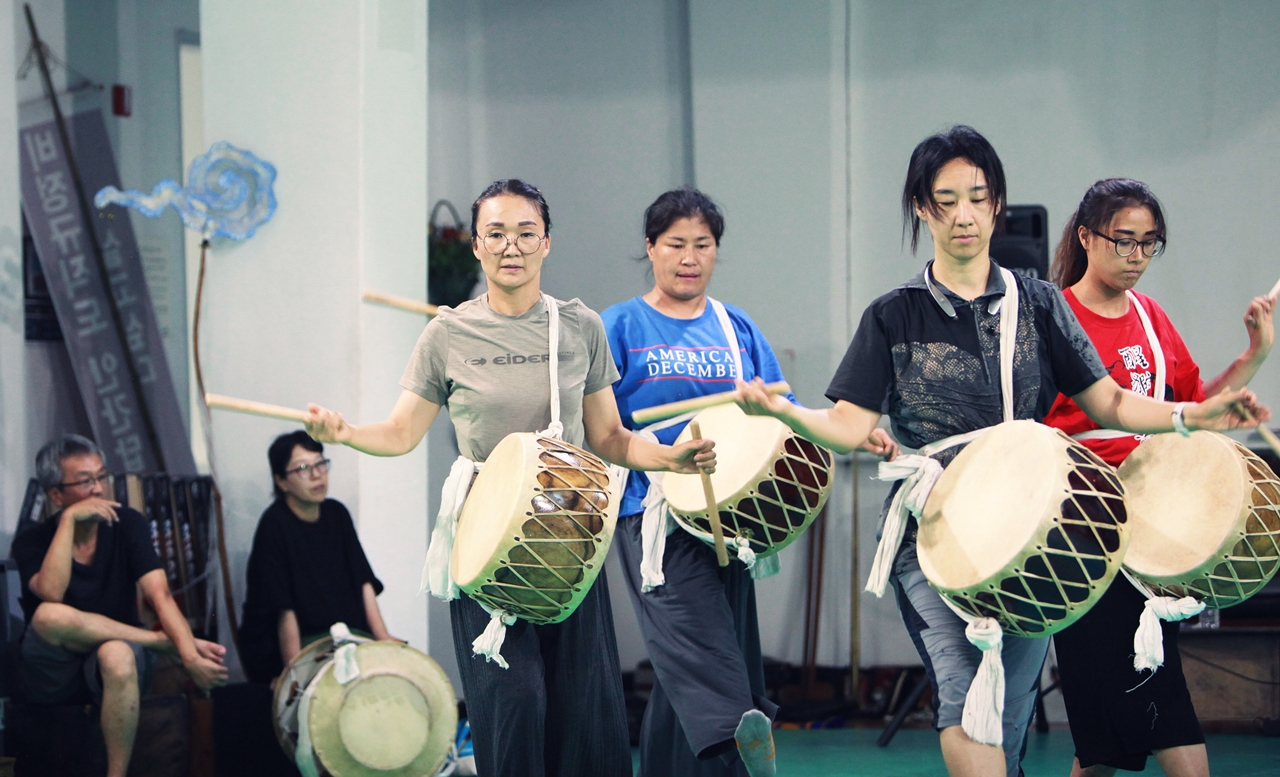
(927, 355)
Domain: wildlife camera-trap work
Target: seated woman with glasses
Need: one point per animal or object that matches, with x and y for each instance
(307, 570)
(1120, 716)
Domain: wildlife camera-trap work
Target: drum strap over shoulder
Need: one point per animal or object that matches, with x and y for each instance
(1157, 356)
(984, 703)
(437, 573)
(656, 523)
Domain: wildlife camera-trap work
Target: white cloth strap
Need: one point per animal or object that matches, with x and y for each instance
(437, 572)
(656, 522)
(1148, 640)
(556, 429)
(1157, 390)
(730, 335)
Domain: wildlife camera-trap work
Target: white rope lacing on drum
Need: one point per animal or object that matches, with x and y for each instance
(1148, 640)
(656, 522)
(489, 643)
(984, 704)
(1157, 391)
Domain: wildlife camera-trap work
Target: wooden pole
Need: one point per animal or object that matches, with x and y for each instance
(713, 507)
(398, 302)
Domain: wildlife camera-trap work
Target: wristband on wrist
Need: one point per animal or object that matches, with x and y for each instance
(1179, 423)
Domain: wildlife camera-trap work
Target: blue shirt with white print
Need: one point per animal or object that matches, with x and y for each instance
(663, 359)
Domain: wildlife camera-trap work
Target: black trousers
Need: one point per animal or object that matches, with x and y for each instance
(703, 637)
(559, 710)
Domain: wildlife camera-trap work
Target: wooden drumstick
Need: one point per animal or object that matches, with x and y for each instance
(1275, 291)
(254, 408)
(713, 507)
(1267, 435)
(659, 412)
(396, 301)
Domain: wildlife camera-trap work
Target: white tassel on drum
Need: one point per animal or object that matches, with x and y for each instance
(920, 474)
(489, 643)
(766, 566)
(983, 717)
(437, 573)
(1148, 640)
(745, 554)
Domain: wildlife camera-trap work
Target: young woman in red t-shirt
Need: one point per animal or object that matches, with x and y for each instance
(1106, 246)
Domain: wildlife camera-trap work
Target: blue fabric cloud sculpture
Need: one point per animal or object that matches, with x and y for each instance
(229, 194)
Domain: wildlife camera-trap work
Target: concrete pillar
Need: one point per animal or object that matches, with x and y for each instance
(333, 93)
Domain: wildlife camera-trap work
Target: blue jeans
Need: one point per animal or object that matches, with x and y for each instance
(952, 661)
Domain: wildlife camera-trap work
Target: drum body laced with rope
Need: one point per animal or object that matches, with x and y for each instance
(1025, 526)
(770, 483)
(536, 527)
(1204, 518)
(358, 708)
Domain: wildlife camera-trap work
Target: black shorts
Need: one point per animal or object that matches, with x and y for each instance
(1119, 716)
(55, 675)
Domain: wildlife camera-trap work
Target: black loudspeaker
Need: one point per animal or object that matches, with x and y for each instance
(1024, 245)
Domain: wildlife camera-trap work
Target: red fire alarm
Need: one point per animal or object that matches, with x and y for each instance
(121, 100)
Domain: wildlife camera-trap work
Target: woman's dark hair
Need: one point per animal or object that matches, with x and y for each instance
(518, 188)
(281, 451)
(678, 204)
(930, 156)
(1100, 205)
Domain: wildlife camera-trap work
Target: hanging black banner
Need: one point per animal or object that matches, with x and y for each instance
(129, 395)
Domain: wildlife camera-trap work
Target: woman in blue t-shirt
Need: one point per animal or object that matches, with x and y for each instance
(707, 712)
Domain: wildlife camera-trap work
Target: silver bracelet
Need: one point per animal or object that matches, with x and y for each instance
(1179, 424)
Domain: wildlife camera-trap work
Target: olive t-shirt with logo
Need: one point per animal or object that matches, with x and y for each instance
(493, 371)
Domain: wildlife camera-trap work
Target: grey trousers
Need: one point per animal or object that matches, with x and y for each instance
(702, 635)
(559, 710)
(952, 661)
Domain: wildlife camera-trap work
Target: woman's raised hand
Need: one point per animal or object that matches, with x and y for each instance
(1228, 409)
(1260, 325)
(326, 425)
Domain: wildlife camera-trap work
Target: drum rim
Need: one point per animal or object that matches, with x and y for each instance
(515, 446)
(680, 489)
(279, 697)
(1198, 581)
(966, 597)
(430, 680)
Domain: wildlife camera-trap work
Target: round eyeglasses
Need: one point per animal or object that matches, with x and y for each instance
(496, 243)
(1125, 246)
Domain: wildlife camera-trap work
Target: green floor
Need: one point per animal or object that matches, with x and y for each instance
(914, 752)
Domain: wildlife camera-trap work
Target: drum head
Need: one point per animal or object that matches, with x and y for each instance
(989, 503)
(397, 718)
(746, 446)
(293, 681)
(494, 500)
(1185, 496)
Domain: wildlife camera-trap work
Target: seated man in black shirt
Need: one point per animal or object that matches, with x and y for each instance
(81, 569)
(307, 570)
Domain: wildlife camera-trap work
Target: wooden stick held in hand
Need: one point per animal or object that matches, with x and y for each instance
(254, 408)
(713, 507)
(1269, 436)
(671, 409)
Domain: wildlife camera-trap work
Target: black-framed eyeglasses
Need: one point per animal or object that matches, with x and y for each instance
(304, 470)
(1125, 246)
(101, 480)
(496, 243)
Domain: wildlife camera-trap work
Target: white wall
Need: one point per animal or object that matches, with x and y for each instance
(334, 95)
(13, 412)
